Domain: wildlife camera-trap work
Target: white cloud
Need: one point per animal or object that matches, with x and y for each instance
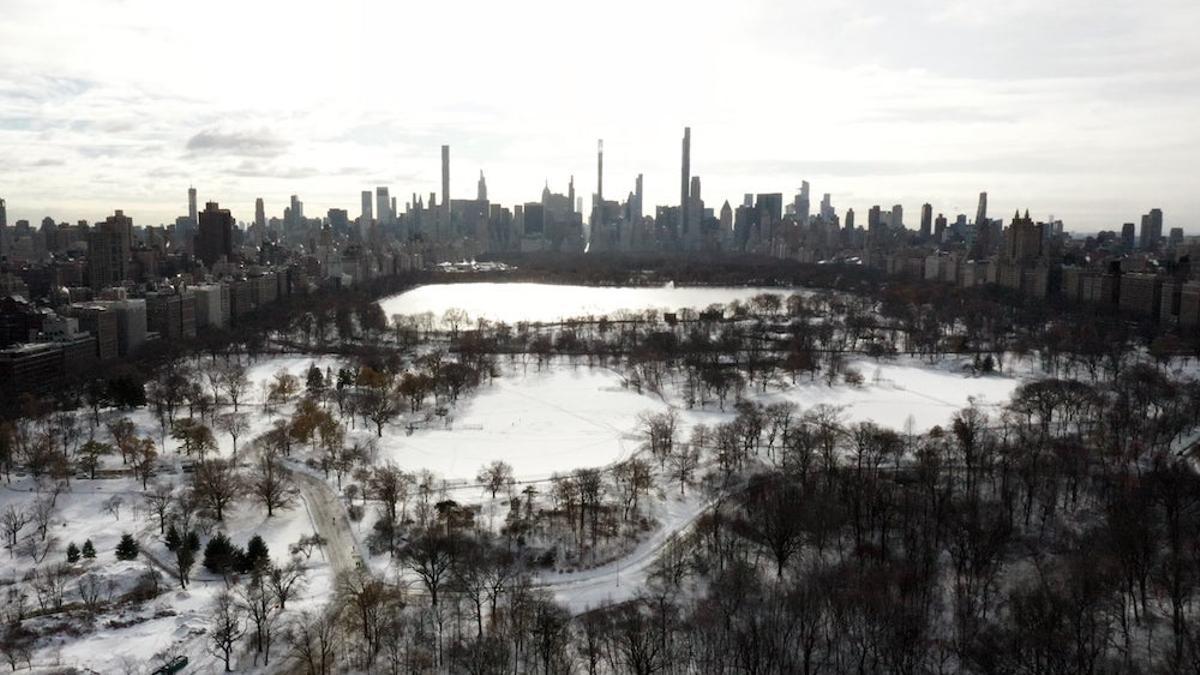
(873, 101)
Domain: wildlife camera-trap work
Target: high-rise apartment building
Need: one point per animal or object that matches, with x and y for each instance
(109, 245)
(214, 239)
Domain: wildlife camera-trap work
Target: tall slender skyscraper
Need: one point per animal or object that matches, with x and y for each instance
(481, 191)
(598, 198)
(685, 181)
(3, 229)
(192, 205)
(445, 188)
(260, 213)
(600, 170)
(637, 195)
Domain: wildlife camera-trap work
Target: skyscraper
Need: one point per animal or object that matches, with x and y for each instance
(260, 213)
(1152, 229)
(849, 220)
(685, 181)
(1129, 236)
(3, 229)
(214, 240)
(897, 220)
(445, 189)
(827, 213)
(637, 195)
(600, 169)
(364, 221)
(383, 204)
(939, 228)
(802, 206)
(874, 219)
(192, 205)
(481, 191)
(297, 211)
(926, 221)
(981, 219)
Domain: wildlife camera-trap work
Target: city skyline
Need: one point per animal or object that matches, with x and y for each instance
(949, 100)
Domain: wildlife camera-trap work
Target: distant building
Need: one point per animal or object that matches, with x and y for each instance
(212, 305)
(383, 206)
(100, 320)
(214, 239)
(109, 251)
(1152, 227)
(366, 216)
(1129, 236)
(1141, 295)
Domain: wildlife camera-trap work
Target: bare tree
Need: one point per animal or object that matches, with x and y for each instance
(217, 484)
(682, 464)
(430, 557)
(13, 520)
(390, 487)
(235, 424)
(226, 625)
(287, 581)
(314, 639)
(159, 501)
(112, 506)
(257, 602)
(270, 484)
(235, 382)
(496, 476)
(144, 459)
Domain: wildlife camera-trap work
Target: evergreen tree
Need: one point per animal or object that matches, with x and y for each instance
(89, 551)
(258, 557)
(128, 548)
(192, 541)
(72, 553)
(221, 556)
(172, 538)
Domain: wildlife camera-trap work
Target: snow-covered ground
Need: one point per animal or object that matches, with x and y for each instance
(173, 621)
(563, 417)
(556, 420)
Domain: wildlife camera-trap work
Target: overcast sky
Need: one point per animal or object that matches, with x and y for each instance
(1085, 109)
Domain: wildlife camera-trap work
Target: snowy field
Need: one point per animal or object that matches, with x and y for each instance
(564, 418)
(513, 303)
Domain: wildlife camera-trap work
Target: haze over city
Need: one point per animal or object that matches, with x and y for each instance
(1081, 110)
